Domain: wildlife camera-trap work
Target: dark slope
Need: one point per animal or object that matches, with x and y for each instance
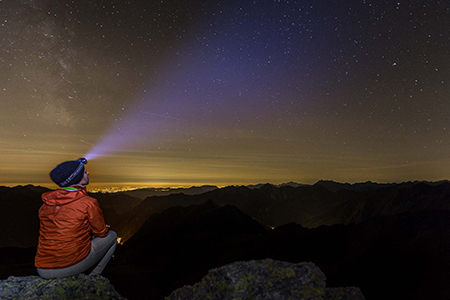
(404, 256)
(180, 245)
(19, 221)
(195, 231)
(311, 206)
(120, 203)
(392, 200)
(268, 204)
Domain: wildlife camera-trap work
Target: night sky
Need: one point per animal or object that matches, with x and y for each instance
(170, 93)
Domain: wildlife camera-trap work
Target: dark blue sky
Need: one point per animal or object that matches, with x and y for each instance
(225, 92)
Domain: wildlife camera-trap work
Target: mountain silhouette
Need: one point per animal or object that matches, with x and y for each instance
(369, 186)
(391, 200)
(197, 228)
(180, 245)
(19, 221)
(310, 206)
(120, 203)
(403, 256)
(268, 204)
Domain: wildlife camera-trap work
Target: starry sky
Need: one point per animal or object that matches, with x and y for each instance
(180, 93)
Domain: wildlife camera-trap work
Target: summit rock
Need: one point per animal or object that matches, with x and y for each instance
(74, 287)
(265, 279)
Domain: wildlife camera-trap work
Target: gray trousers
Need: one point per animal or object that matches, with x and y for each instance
(102, 249)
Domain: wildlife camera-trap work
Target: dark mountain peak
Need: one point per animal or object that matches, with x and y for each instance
(25, 189)
(194, 190)
(292, 184)
(442, 182)
(431, 183)
(233, 189)
(267, 187)
(325, 181)
(255, 186)
(367, 186)
(331, 185)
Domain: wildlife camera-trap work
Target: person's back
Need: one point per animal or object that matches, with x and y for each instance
(73, 234)
(66, 231)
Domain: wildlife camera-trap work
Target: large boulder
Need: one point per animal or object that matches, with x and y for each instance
(75, 287)
(265, 279)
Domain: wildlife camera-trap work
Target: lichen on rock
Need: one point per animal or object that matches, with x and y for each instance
(75, 287)
(265, 279)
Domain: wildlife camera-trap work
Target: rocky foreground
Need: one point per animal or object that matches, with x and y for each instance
(75, 287)
(263, 279)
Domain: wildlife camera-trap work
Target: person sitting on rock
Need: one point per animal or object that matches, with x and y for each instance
(73, 236)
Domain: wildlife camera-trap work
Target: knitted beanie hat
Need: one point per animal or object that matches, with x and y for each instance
(69, 172)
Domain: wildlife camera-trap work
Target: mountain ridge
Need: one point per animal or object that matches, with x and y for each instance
(272, 205)
(402, 255)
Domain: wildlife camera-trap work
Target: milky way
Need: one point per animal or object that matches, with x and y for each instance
(225, 92)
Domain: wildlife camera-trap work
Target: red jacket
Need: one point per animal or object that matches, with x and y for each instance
(68, 220)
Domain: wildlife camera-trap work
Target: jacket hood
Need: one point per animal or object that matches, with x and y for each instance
(62, 197)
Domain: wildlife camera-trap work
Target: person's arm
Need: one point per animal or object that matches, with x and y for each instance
(97, 220)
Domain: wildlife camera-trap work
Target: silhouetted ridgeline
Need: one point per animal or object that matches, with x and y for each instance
(19, 221)
(390, 241)
(402, 256)
(310, 206)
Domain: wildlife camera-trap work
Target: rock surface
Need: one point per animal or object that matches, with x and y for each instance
(265, 279)
(75, 287)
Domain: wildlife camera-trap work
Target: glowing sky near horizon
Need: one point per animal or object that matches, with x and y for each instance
(225, 92)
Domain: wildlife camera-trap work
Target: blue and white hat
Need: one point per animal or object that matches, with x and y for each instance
(69, 172)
